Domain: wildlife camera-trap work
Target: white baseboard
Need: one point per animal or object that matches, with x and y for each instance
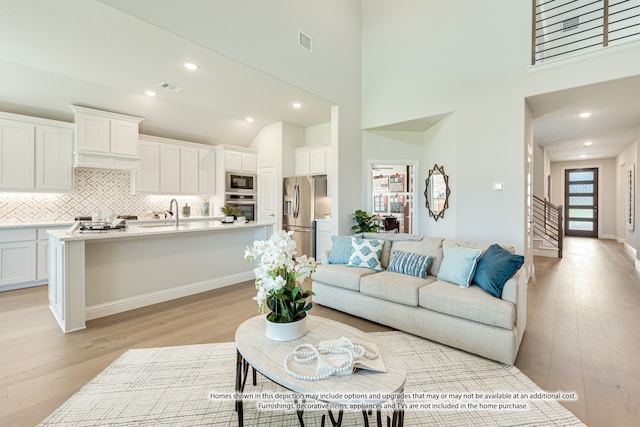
(608, 236)
(126, 304)
(549, 253)
(630, 249)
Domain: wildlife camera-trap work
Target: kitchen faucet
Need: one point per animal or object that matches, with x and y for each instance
(177, 216)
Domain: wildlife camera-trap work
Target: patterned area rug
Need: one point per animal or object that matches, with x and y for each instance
(173, 386)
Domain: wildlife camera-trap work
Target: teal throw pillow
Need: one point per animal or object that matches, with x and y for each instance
(409, 263)
(496, 266)
(340, 250)
(366, 253)
(458, 265)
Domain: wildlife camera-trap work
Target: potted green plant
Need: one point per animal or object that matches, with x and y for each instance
(279, 279)
(364, 222)
(230, 212)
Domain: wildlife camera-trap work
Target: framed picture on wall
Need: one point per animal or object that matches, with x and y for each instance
(629, 211)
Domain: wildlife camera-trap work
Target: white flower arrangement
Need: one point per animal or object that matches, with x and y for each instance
(279, 277)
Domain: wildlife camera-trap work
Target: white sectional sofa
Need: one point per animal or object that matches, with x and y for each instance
(467, 318)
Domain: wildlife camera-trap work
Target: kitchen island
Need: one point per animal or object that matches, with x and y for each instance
(96, 274)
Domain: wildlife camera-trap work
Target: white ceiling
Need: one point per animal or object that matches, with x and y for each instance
(612, 127)
(57, 53)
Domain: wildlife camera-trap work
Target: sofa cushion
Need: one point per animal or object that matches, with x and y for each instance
(388, 238)
(426, 246)
(394, 287)
(340, 249)
(459, 265)
(470, 303)
(365, 253)
(410, 263)
(340, 275)
(495, 267)
(474, 245)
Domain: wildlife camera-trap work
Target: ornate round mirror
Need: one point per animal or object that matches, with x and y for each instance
(437, 192)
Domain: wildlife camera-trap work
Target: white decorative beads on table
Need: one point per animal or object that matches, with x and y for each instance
(354, 351)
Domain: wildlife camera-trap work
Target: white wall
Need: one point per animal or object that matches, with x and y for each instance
(607, 198)
(319, 134)
(626, 160)
(428, 58)
(539, 176)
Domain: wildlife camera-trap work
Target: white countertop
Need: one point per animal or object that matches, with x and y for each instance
(155, 229)
(46, 224)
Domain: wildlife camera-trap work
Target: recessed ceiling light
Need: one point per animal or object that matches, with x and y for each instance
(249, 119)
(297, 105)
(588, 143)
(150, 93)
(582, 156)
(585, 114)
(190, 66)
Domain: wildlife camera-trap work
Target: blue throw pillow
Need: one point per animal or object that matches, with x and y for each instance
(366, 253)
(340, 250)
(458, 265)
(496, 266)
(410, 263)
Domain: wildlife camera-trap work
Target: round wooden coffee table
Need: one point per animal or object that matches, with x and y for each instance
(256, 351)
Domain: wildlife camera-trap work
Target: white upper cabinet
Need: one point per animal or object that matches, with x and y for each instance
(312, 160)
(17, 154)
(206, 171)
(54, 159)
(123, 133)
(93, 133)
(35, 154)
(147, 179)
(189, 170)
(106, 140)
(240, 161)
(171, 166)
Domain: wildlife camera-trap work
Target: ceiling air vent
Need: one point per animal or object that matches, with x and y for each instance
(304, 40)
(171, 87)
(570, 24)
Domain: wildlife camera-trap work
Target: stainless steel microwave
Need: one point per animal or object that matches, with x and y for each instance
(237, 182)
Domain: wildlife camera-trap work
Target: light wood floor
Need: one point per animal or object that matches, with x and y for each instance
(583, 335)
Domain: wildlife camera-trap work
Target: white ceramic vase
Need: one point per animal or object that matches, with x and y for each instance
(286, 331)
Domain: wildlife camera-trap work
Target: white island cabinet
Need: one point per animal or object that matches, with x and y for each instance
(95, 275)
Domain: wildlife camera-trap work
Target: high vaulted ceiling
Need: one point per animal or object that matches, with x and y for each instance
(57, 53)
(86, 52)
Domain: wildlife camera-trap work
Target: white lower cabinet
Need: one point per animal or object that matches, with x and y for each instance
(17, 256)
(24, 257)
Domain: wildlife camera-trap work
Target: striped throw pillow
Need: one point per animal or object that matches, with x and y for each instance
(410, 263)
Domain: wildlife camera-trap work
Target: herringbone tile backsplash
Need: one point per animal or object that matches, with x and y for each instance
(94, 189)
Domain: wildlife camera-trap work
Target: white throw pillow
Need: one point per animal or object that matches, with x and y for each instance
(366, 253)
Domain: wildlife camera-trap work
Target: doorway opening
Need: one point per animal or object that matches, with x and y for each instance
(581, 201)
(392, 196)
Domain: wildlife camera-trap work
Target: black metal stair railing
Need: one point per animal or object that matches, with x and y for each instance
(565, 27)
(547, 223)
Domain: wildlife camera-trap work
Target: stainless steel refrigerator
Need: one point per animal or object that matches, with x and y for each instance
(302, 196)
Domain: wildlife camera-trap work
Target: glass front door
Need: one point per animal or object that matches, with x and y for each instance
(581, 202)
